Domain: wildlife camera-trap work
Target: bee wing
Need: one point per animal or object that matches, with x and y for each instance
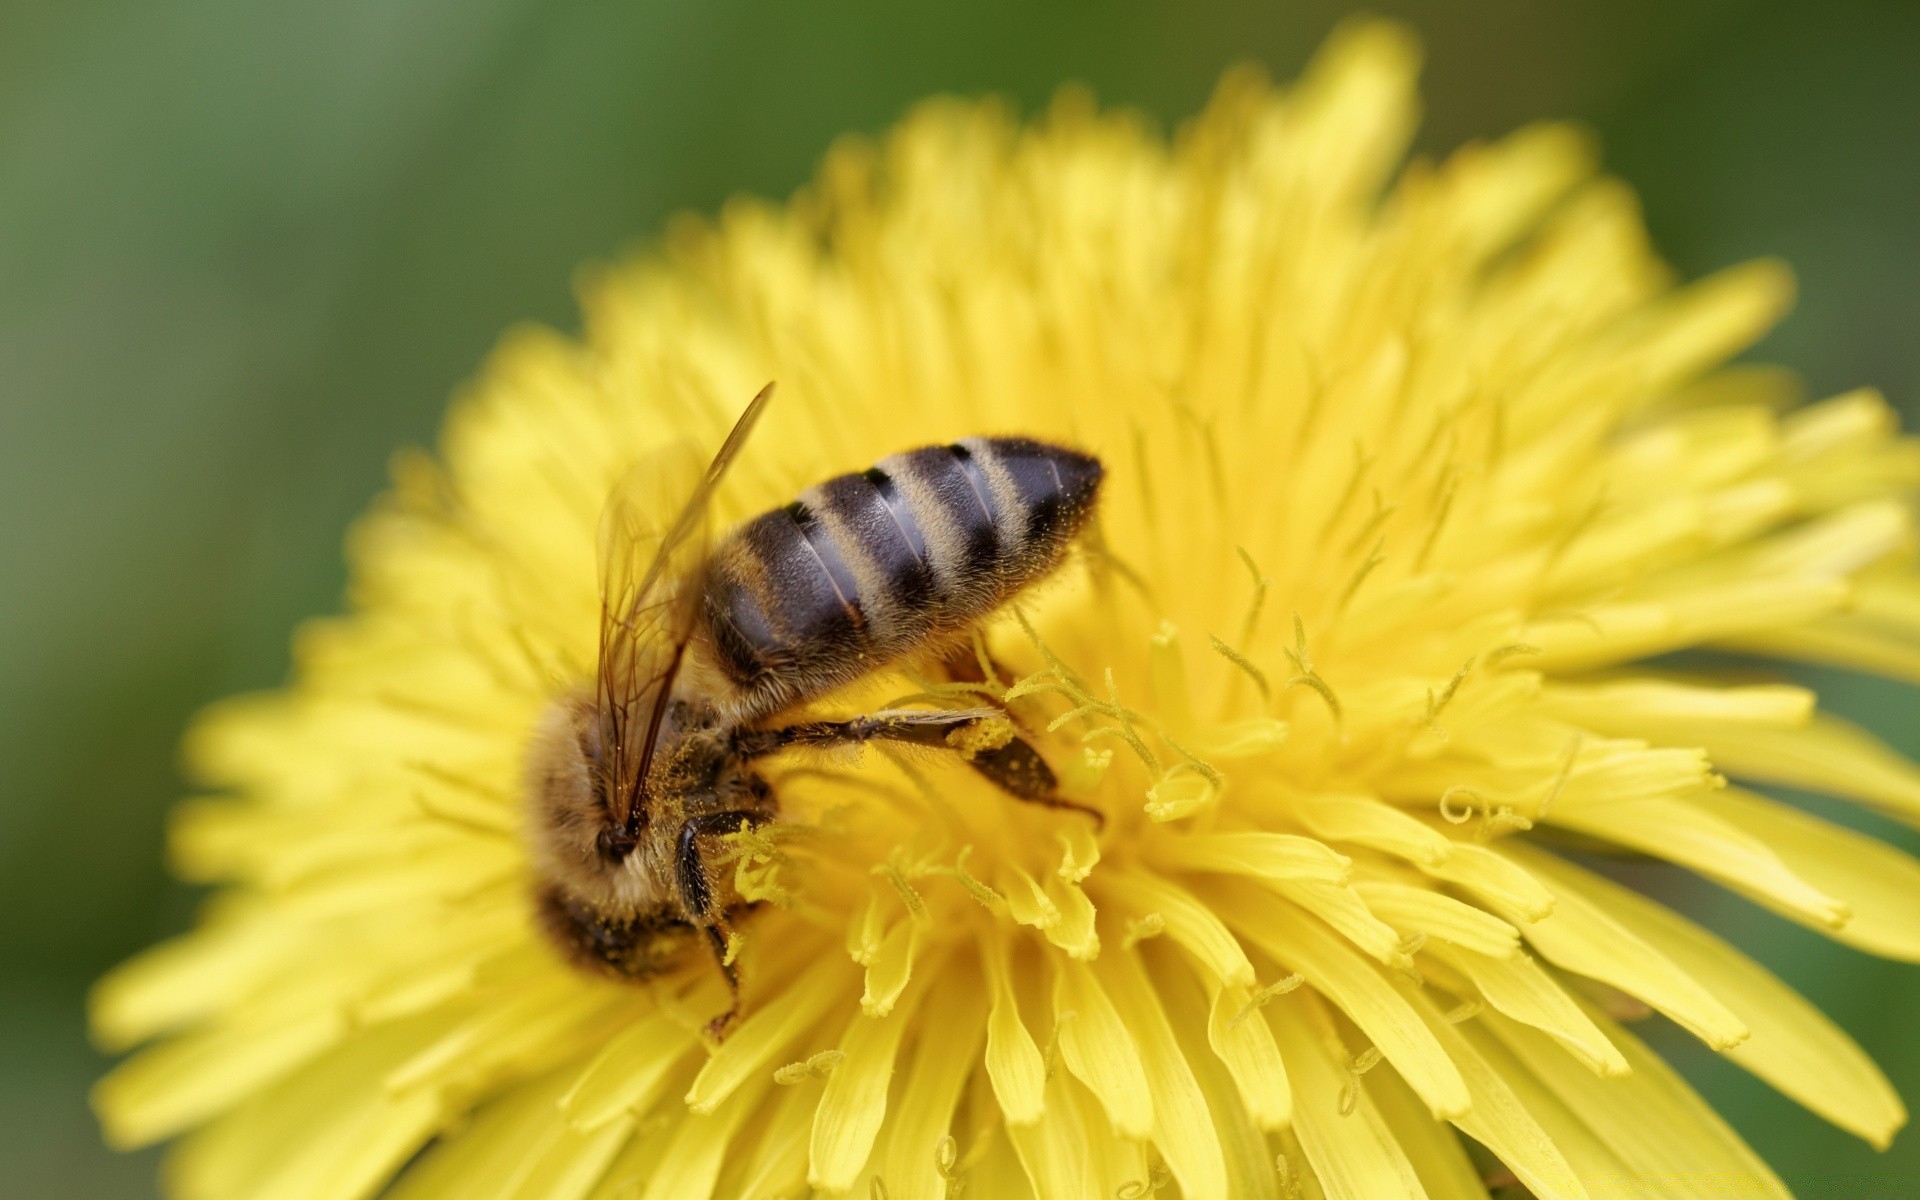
(653, 553)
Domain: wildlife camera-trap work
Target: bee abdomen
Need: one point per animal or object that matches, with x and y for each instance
(868, 566)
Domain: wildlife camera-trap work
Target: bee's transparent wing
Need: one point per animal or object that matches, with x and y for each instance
(653, 552)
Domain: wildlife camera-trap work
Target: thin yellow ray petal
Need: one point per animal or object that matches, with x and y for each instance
(1499, 881)
(1841, 640)
(1649, 1117)
(177, 982)
(507, 1014)
(1097, 1047)
(1837, 544)
(517, 1150)
(1239, 1035)
(1594, 1163)
(889, 969)
(331, 1132)
(1053, 1148)
(1353, 984)
(1518, 987)
(854, 1104)
(1498, 1119)
(1585, 939)
(1850, 420)
(1365, 821)
(180, 1083)
(952, 1027)
(487, 1158)
(1074, 931)
(1648, 706)
(691, 1163)
(1794, 1047)
(1113, 1162)
(1416, 910)
(1013, 1061)
(572, 1164)
(628, 1073)
(1686, 832)
(1354, 108)
(1431, 1146)
(626, 1176)
(1191, 924)
(750, 1050)
(1183, 1127)
(1613, 633)
(779, 1163)
(1347, 914)
(1250, 1163)
(997, 1170)
(1879, 883)
(1264, 855)
(1830, 756)
(1354, 1153)
(1709, 321)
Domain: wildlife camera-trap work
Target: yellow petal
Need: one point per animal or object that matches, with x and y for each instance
(1354, 1153)
(1518, 987)
(1191, 924)
(1415, 910)
(750, 1050)
(1794, 1047)
(1649, 1118)
(628, 1072)
(1097, 1047)
(1879, 884)
(1240, 1037)
(953, 1025)
(1013, 1061)
(1828, 756)
(1357, 987)
(854, 1104)
(1584, 938)
(1183, 1127)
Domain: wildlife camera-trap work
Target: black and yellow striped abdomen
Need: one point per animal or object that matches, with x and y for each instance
(868, 567)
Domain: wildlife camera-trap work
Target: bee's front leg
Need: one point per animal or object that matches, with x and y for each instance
(696, 896)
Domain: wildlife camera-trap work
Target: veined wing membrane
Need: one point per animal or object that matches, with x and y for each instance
(653, 552)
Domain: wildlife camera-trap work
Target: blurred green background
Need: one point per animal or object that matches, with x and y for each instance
(246, 250)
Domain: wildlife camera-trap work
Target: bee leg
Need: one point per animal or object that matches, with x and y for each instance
(696, 894)
(1018, 770)
(1014, 767)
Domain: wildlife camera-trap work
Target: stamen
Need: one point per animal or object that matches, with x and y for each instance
(1442, 511)
(819, 1066)
(1560, 781)
(1437, 704)
(988, 899)
(1458, 816)
(1240, 660)
(1140, 929)
(1261, 585)
(1374, 559)
(909, 895)
(1517, 649)
(1264, 996)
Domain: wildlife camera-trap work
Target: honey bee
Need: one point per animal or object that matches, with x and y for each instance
(632, 780)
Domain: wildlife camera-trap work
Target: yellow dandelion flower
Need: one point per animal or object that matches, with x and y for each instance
(1410, 482)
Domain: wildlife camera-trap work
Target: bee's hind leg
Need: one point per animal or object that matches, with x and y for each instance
(696, 893)
(1013, 766)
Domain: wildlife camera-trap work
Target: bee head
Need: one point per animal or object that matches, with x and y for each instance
(576, 841)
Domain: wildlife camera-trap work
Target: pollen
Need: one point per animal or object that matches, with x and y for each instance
(1416, 479)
